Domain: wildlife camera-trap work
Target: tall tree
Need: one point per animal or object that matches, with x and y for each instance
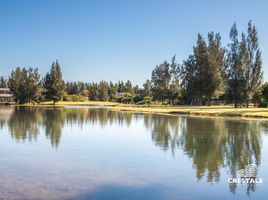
(14, 83)
(54, 84)
(112, 91)
(217, 65)
(93, 91)
(245, 66)
(121, 87)
(254, 74)
(25, 85)
(203, 70)
(33, 81)
(174, 87)
(236, 79)
(103, 91)
(189, 80)
(160, 81)
(129, 87)
(3, 82)
(147, 89)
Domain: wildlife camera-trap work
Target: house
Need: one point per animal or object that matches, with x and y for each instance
(5, 95)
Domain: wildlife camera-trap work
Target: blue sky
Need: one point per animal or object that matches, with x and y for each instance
(119, 39)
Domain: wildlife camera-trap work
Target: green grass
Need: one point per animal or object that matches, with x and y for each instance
(72, 103)
(225, 111)
(199, 110)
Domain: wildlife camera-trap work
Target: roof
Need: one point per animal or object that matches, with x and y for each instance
(5, 95)
(4, 89)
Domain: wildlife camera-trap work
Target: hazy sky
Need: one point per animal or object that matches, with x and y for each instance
(116, 39)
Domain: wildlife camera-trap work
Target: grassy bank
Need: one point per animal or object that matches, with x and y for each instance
(224, 111)
(199, 110)
(72, 103)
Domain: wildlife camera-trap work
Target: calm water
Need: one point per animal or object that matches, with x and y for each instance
(93, 153)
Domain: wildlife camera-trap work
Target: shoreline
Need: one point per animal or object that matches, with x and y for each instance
(196, 115)
(200, 111)
(197, 111)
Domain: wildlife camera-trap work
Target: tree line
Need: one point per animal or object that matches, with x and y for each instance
(233, 73)
(212, 72)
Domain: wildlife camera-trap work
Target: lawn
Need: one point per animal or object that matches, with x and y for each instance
(72, 103)
(161, 109)
(199, 110)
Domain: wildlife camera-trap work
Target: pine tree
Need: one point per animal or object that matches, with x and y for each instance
(25, 85)
(129, 87)
(189, 80)
(236, 71)
(54, 84)
(112, 91)
(121, 87)
(14, 83)
(203, 71)
(217, 65)
(3, 82)
(245, 66)
(160, 81)
(254, 76)
(103, 91)
(147, 89)
(174, 87)
(93, 91)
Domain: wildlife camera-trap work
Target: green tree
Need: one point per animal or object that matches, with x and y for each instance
(112, 91)
(3, 82)
(147, 88)
(129, 87)
(93, 91)
(245, 66)
(25, 85)
(73, 88)
(236, 79)
(189, 80)
(174, 87)
(128, 98)
(103, 91)
(217, 64)
(264, 93)
(121, 87)
(14, 83)
(34, 87)
(136, 90)
(254, 74)
(203, 71)
(160, 81)
(54, 84)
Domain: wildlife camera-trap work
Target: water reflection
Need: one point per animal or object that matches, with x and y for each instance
(212, 144)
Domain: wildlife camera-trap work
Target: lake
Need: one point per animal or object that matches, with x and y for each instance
(94, 153)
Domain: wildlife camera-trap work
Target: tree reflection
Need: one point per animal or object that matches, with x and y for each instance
(5, 114)
(24, 122)
(53, 121)
(212, 144)
(165, 130)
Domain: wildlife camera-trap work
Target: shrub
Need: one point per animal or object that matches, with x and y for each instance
(75, 98)
(147, 100)
(137, 99)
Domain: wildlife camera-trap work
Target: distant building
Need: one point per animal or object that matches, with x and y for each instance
(5, 95)
(121, 94)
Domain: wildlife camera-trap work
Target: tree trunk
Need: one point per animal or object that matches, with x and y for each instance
(235, 104)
